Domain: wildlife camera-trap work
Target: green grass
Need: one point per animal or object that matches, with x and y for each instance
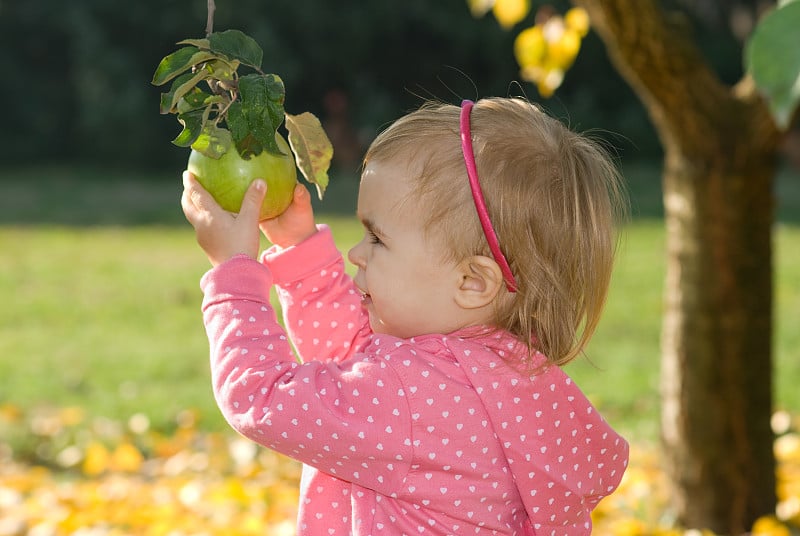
(101, 303)
(105, 318)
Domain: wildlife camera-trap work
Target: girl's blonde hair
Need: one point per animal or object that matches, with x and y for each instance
(554, 198)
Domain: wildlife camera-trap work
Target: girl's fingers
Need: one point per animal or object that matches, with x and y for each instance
(187, 203)
(198, 195)
(201, 202)
(301, 195)
(251, 204)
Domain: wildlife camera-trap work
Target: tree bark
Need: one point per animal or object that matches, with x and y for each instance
(720, 149)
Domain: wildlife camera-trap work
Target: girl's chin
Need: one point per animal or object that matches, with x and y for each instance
(375, 323)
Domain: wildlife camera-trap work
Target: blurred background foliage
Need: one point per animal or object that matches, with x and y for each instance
(77, 74)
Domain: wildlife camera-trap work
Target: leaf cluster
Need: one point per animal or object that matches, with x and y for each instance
(207, 92)
(220, 109)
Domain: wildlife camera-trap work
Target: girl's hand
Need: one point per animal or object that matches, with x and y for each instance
(295, 224)
(221, 234)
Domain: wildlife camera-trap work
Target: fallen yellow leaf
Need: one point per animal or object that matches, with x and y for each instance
(96, 459)
(126, 458)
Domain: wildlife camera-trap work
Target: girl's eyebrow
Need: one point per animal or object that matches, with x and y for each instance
(372, 227)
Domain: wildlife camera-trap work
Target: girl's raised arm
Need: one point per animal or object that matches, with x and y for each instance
(322, 308)
(327, 414)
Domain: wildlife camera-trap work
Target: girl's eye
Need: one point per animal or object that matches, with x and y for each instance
(373, 238)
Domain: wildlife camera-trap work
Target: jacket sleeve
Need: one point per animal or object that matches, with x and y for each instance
(329, 414)
(322, 308)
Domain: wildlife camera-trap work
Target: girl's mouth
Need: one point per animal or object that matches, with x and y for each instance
(366, 299)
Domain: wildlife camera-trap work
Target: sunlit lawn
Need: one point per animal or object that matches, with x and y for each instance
(103, 365)
(108, 318)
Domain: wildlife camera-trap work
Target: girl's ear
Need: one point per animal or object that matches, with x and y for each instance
(480, 279)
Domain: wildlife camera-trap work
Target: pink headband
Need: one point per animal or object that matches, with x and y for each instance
(477, 196)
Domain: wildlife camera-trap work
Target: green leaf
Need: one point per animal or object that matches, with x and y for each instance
(263, 130)
(312, 148)
(233, 44)
(168, 99)
(186, 84)
(180, 87)
(223, 70)
(196, 98)
(177, 62)
(249, 147)
(236, 121)
(237, 45)
(772, 58)
(199, 43)
(262, 107)
(192, 122)
(213, 141)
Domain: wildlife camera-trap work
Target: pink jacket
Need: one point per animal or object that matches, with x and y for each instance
(428, 436)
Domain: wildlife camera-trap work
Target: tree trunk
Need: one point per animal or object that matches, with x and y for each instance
(716, 372)
(720, 151)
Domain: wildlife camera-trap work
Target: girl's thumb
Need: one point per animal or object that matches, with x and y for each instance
(251, 204)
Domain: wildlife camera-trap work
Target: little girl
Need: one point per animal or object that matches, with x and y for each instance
(428, 397)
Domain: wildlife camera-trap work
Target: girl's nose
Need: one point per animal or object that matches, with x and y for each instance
(355, 255)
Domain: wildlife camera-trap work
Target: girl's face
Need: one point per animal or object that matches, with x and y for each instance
(407, 287)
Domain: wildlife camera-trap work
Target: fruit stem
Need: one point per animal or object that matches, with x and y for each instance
(223, 108)
(212, 7)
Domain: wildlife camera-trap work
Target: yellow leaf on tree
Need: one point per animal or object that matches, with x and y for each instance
(479, 8)
(96, 459)
(312, 148)
(550, 82)
(530, 47)
(547, 79)
(510, 12)
(563, 51)
(577, 19)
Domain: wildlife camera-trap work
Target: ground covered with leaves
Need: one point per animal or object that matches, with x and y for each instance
(62, 473)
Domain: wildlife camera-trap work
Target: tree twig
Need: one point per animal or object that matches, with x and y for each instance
(212, 7)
